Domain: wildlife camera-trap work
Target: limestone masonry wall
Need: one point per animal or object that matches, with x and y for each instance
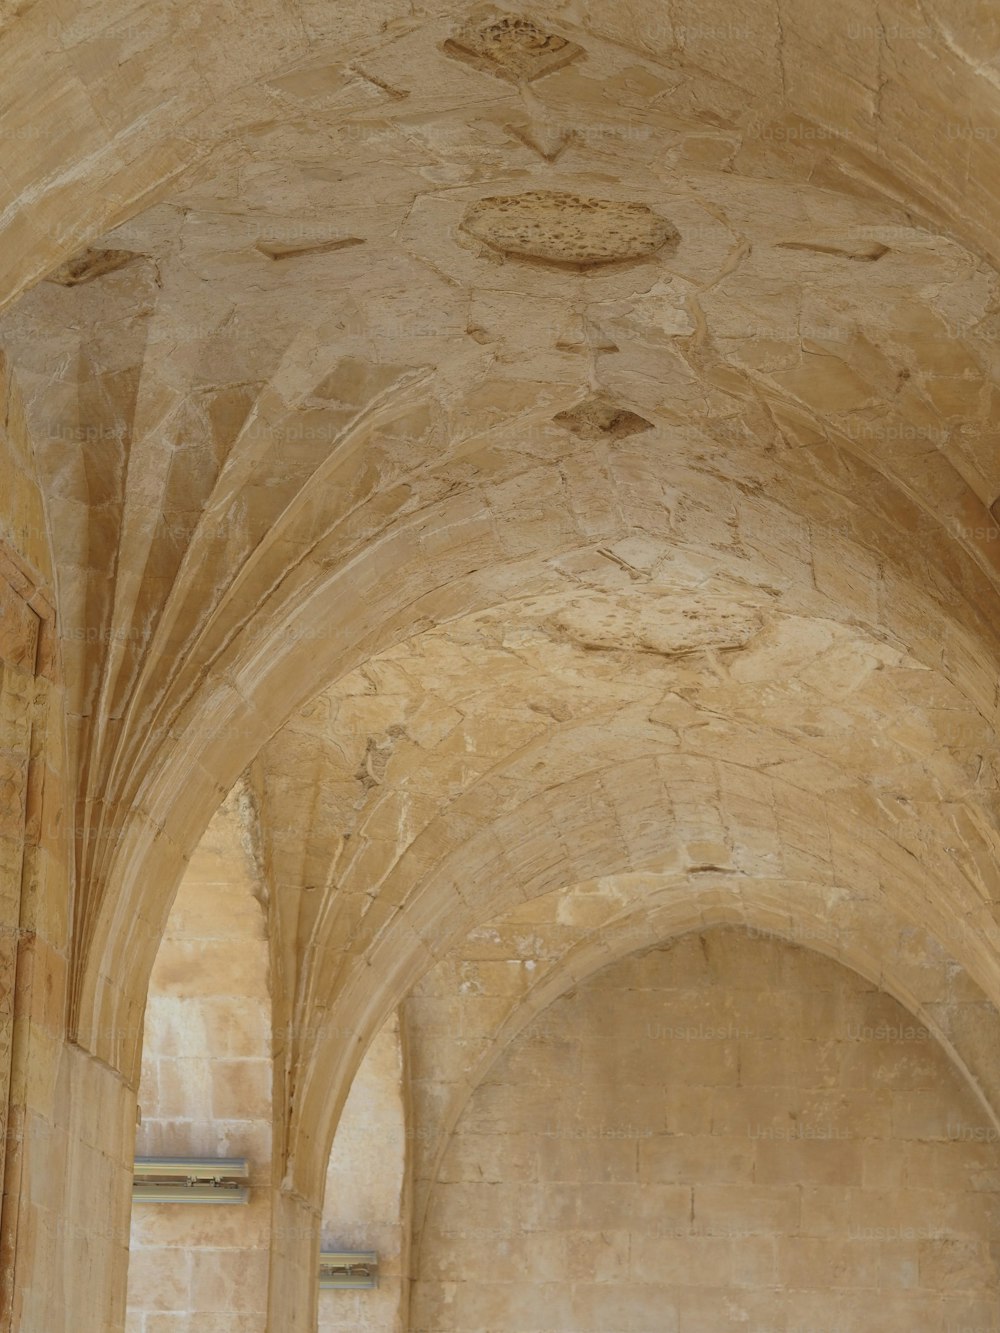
(206, 1092)
(727, 1132)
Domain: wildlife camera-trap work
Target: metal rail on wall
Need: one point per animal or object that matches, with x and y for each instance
(345, 1268)
(191, 1180)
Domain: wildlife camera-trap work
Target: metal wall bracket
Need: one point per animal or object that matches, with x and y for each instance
(190, 1180)
(344, 1269)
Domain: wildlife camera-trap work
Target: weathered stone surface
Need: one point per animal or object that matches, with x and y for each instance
(513, 46)
(534, 474)
(567, 229)
(598, 417)
(92, 264)
(280, 250)
(666, 1135)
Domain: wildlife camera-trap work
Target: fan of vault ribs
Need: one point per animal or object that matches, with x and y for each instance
(592, 444)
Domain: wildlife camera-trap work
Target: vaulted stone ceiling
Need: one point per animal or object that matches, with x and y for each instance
(565, 443)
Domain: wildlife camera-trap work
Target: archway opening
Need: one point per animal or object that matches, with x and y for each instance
(205, 1092)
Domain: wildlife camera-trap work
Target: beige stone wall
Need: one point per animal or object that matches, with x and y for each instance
(566, 443)
(18, 652)
(68, 1118)
(69, 1255)
(365, 1190)
(730, 1131)
(206, 1092)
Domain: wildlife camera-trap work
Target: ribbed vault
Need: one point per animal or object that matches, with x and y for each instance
(549, 474)
(121, 108)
